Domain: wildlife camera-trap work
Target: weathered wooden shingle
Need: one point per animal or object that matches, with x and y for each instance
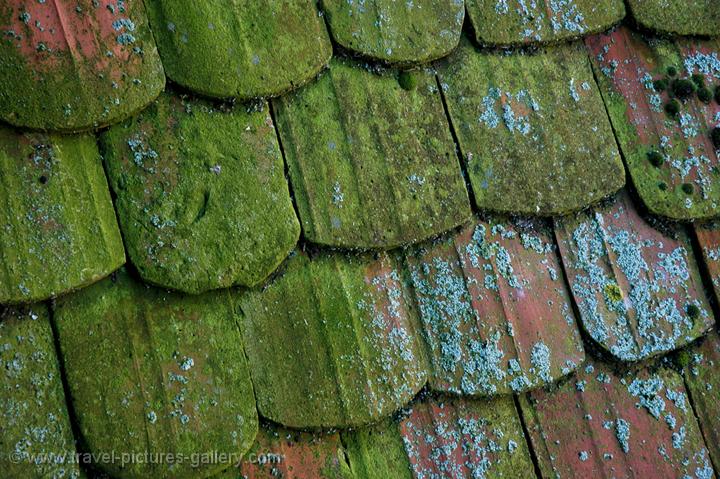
(708, 235)
(397, 32)
(151, 371)
(519, 22)
(457, 438)
(636, 284)
(377, 451)
(604, 425)
(679, 17)
(331, 342)
(58, 229)
(201, 194)
(245, 49)
(372, 164)
(703, 383)
(664, 122)
(496, 315)
(36, 440)
(75, 65)
(532, 129)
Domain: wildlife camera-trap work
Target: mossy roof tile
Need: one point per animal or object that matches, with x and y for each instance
(637, 284)
(201, 194)
(75, 65)
(397, 32)
(377, 451)
(155, 371)
(58, 230)
(459, 438)
(343, 328)
(601, 424)
(34, 421)
(244, 49)
(678, 17)
(519, 22)
(532, 129)
(670, 156)
(372, 164)
(496, 315)
(291, 454)
(703, 383)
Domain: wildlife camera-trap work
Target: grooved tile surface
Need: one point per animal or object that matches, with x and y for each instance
(201, 194)
(636, 283)
(74, 65)
(671, 157)
(372, 164)
(519, 22)
(516, 116)
(36, 439)
(245, 49)
(164, 372)
(343, 326)
(496, 315)
(58, 230)
(396, 32)
(605, 425)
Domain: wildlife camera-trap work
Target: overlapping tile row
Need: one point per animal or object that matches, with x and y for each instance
(659, 94)
(75, 65)
(371, 158)
(637, 284)
(678, 17)
(496, 316)
(58, 230)
(246, 49)
(201, 194)
(396, 32)
(520, 22)
(154, 373)
(602, 424)
(517, 118)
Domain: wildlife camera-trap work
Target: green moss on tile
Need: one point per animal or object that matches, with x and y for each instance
(201, 194)
(678, 17)
(59, 230)
(377, 451)
(343, 328)
(416, 31)
(76, 67)
(36, 439)
(159, 372)
(513, 22)
(243, 49)
(372, 165)
(517, 119)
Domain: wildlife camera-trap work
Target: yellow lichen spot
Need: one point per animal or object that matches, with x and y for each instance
(613, 292)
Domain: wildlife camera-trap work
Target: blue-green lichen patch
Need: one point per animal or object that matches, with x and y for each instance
(664, 122)
(36, 439)
(519, 22)
(372, 164)
(397, 32)
(243, 49)
(603, 424)
(637, 287)
(703, 383)
(678, 17)
(349, 349)
(157, 373)
(201, 194)
(72, 66)
(458, 438)
(496, 316)
(58, 230)
(532, 129)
